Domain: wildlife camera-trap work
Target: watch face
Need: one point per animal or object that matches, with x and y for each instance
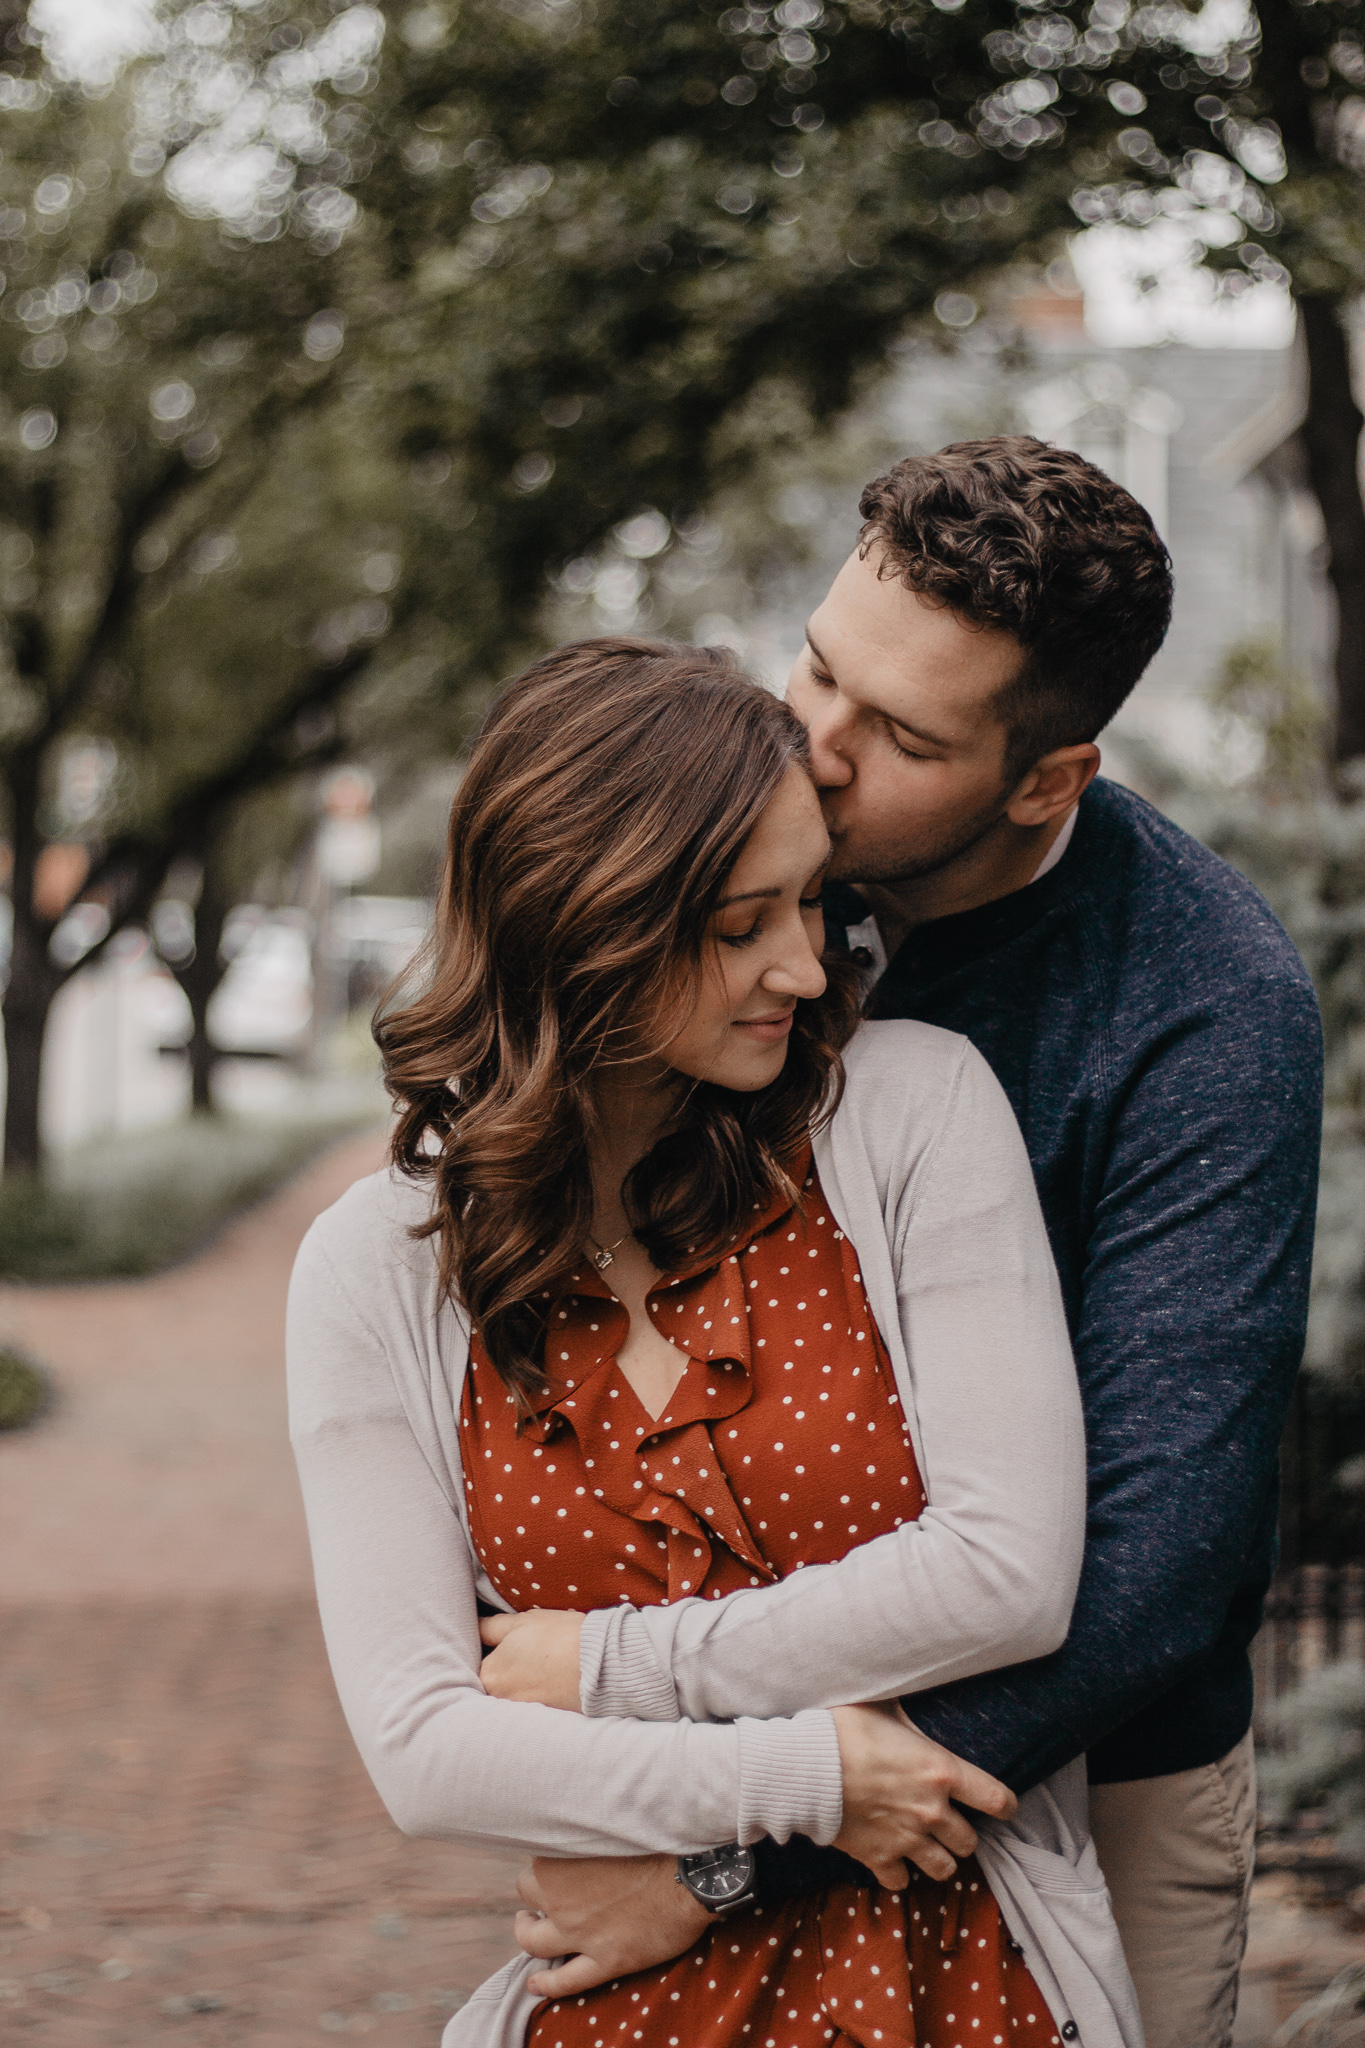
(719, 1875)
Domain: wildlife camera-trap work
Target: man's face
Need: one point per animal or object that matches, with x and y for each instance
(906, 748)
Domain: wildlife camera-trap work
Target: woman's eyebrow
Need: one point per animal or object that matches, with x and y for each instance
(753, 895)
(748, 896)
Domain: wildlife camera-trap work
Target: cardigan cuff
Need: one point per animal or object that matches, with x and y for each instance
(791, 1778)
(619, 1672)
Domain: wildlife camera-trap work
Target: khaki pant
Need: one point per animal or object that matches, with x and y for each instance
(1178, 1855)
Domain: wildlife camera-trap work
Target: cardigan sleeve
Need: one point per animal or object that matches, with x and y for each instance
(987, 1575)
(396, 1589)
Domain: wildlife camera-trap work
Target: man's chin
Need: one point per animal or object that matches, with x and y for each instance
(842, 865)
(853, 863)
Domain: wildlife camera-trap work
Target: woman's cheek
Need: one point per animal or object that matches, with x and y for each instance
(738, 976)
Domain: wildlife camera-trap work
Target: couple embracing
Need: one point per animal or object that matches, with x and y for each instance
(790, 1442)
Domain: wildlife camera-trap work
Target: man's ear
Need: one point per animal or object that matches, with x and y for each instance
(1054, 785)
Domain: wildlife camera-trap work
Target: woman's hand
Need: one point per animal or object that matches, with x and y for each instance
(534, 1657)
(898, 1793)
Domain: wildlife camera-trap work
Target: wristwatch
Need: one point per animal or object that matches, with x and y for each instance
(724, 1881)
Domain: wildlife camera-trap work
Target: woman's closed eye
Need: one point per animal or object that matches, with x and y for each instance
(810, 904)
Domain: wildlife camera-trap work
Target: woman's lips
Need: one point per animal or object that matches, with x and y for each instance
(767, 1029)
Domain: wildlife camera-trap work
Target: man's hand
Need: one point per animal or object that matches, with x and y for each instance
(611, 1915)
(534, 1657)
(898, 1789)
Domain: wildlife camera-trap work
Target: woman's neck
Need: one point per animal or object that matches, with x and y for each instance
(632, 1109)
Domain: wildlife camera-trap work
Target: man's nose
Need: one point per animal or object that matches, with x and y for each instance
(830, 766)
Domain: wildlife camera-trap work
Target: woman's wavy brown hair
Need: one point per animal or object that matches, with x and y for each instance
(606, 801)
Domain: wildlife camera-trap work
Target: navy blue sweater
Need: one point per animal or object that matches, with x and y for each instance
(1159, 1040)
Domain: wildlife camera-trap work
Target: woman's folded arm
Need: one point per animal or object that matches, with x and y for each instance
(987, 1575)
(396, 1590)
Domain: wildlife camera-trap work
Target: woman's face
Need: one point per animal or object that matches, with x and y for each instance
(762, 949)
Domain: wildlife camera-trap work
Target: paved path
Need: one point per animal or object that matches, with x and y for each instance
(166, 1468)
(191, 1850)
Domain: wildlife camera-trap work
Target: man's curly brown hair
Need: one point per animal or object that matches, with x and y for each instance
(1040, 543)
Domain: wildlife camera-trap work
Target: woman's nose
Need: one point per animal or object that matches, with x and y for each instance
(797, 973)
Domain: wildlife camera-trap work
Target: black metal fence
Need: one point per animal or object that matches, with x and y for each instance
(1313, 1616)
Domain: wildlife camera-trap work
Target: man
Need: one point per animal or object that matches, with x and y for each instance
(1158, 1039)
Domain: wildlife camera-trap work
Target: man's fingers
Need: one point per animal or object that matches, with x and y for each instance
(971, 1787)
(580, 1973)
(933, 1859)
(957, 1835)
(894, 1875)
(530, 1890)
(538, 1935)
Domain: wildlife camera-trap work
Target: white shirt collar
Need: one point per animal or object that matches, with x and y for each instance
(1055, 851)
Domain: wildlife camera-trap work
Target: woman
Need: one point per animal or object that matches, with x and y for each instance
(636, 1323)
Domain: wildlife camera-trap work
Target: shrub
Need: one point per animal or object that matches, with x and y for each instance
(133, 1204)
(1322, 1766)
(25, 1390)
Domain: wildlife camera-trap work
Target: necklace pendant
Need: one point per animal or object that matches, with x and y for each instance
(602, 1260)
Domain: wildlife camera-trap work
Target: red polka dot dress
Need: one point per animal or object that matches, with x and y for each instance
(784, 1444)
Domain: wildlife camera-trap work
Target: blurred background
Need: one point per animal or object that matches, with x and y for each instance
(349, 355)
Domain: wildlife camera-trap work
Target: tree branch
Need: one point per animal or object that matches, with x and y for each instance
(132, 867)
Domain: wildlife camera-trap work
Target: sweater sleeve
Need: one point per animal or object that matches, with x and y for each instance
(396, 1590)
(1189, 1335)
(987, 1574)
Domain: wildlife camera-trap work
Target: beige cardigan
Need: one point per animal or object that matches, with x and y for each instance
(925, 1170)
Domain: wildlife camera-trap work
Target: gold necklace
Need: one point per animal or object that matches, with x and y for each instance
(602, 1257)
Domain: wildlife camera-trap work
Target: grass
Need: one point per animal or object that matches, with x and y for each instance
(141, 1201)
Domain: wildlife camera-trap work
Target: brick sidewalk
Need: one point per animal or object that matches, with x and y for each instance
(192, 1852)
(166, 1465)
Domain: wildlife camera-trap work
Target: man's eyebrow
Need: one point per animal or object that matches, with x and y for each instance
(818, 655)
(916, 732)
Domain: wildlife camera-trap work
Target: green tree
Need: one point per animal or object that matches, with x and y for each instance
(282, 475)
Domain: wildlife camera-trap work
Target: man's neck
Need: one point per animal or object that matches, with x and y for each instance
(1005, 860)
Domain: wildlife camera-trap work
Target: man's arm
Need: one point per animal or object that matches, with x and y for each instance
(1190, 1334)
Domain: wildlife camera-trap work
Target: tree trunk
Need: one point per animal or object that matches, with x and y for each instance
(27, 1003)
(33, 979)
(1331, 438)
(199, 978)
